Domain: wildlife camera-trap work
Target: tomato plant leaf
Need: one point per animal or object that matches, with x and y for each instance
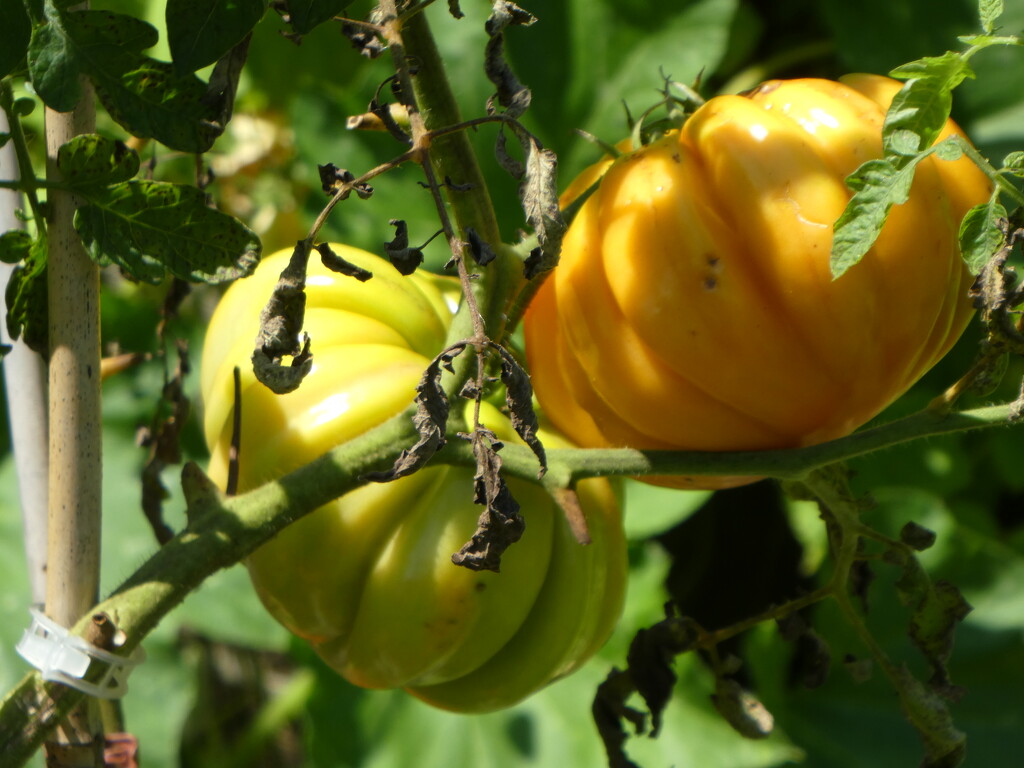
(989, 11)
(304, 15)
(878, 185)
(741, 709)
(280, 333)
(143, 95)
(479, 248)
(15, 33)
(335, 263)
(519, 399)
(430, 419)
(199, 32)
(944, 744)
(539, 194)
(149, 227)
(511, 94)
(91, 160)
(403, 257)
(15, 246)
(500, 525)
(921, 108)
(981, 234)
(26, 296)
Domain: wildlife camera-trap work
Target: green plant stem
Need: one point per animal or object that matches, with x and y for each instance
(566, 466)
(27, 183)
(453, 158)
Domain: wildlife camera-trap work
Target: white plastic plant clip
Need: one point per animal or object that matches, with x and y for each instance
(65, 658)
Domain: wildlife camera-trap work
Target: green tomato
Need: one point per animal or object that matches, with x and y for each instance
(367, 580)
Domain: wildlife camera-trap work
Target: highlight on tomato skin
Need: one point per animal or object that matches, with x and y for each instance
(368, 580)
(694, 306)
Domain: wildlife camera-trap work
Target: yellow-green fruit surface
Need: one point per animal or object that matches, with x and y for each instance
(367, 580)
(694, 307)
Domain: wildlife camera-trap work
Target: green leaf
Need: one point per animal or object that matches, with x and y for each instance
(989, 11)
(1014, 163)
(878, 185)
(304, 15)
(53, 68)
(980, 234)
(26, 296)
(15, 246)
(94, 160)
(15, 33)
(199, 32)
(147, 227)
(921, 108)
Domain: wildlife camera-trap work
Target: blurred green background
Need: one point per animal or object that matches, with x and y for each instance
(223, 685)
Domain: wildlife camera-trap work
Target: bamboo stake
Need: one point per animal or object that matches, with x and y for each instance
(75, 472)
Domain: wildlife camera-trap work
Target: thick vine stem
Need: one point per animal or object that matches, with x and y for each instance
(453, 172)
(568, 465)
(221, 532)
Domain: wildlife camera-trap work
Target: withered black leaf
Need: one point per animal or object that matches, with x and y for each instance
(500, 525)
(403, 257)
(335, 263)
(741, 709)
(331, 176)
(916, 536)
(280, 329)
(650, 659)
(519, 398)
(479, 248)
(511, 94)
(609, 710)
(430, 420)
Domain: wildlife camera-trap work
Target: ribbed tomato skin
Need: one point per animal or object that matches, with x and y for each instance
(694, 306)
(367, 580)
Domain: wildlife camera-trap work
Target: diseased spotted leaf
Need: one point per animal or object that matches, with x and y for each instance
(539, 194)
(945, 745)
(96, 161)
(145, 96)
(149, 227)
